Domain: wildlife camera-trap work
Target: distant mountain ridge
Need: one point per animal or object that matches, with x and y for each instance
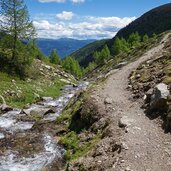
(64, 46)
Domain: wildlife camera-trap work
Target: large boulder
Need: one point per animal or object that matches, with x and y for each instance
(159, 97)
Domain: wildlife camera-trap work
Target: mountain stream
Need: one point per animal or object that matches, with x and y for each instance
(24, 149)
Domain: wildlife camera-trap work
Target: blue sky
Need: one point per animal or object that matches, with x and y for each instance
(85, 19)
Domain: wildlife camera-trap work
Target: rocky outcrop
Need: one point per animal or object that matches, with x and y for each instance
(49, 71)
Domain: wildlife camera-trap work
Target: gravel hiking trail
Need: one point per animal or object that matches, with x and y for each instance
(147, 147)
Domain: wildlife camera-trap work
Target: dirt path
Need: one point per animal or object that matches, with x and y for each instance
(148, 148)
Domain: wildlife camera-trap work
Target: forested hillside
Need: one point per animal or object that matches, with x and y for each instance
(153, 22)
(85, 54)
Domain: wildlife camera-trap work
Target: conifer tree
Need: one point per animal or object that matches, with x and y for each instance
(54, 57)
(134, 39)
(120, 45)
(102, 56)
(17, 28)
(72, 66)
(145, 38)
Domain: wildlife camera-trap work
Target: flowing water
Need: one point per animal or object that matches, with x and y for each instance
(22, 148)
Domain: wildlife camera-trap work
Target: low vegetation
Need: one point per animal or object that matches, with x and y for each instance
(18, 93)
(125, 55)
(77, 119)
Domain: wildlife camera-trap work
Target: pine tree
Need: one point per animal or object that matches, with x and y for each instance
(120, 45)
(134, 39)
(106, 53)
(17, 28)
(96, 56)
(145, 38)
(72, 66)
(54, 57)
(102, 56)
(90, 67)
(154, 36)
(116, 48)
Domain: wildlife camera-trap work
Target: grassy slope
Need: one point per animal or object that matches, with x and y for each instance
(18, 93)
(43, 82)
(125, 57)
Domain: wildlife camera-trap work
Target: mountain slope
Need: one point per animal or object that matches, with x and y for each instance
(136, 143)
(155, 21)
(64, 46)
(85, 54)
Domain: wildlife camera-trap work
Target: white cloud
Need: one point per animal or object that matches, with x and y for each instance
(90, 28)
(47, 1)
(65, 15)
(111, 21)
(77, 1)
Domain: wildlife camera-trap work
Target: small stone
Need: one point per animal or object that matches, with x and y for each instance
(126, 130)
(124, 122)
(122, 161)
(128, 169)
(108, 100)
(46, 98)
(145, 97)
(13, 81)
(129, 86)
(5, 108)
(124, 146)
(138, 76)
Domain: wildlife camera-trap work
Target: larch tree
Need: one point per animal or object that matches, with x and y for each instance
(54, 57)
(17, 28)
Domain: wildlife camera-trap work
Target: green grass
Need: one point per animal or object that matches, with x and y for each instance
(19, 93)
(167, 80)
(68, 112)
(74, 147)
